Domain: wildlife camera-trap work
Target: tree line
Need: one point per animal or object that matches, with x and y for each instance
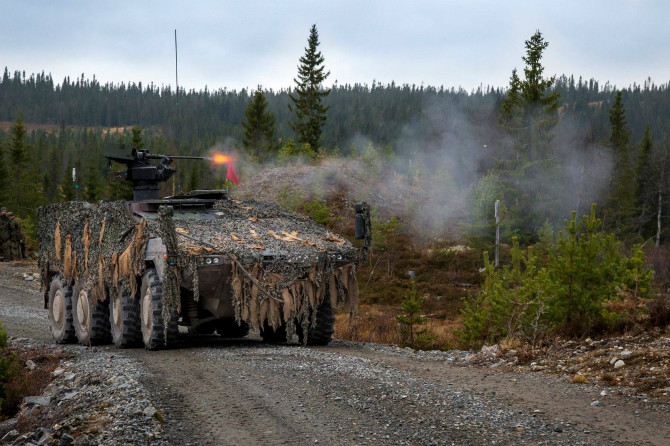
(377, 111)
(518, 132)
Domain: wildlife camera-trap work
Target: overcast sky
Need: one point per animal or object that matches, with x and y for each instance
(237, 44)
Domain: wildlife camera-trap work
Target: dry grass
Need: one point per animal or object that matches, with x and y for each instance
(371, 324)
(378, 324)
(23, 382)
(579, 379)
(609, 379)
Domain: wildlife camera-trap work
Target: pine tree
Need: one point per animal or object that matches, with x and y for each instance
(136, 138)
(646, 186)
(21, 189)
(119, 189)
(529, 114)
(310, 113)
(67, 184)
(259, 129)
(194, 178)
(662, 186)
(52, 174)
(94, 186)
(4, 179)
(411, 317)
(619, 214)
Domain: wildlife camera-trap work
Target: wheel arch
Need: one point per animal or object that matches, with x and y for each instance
(155, 255)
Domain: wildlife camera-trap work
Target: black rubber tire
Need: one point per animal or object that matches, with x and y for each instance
(322, 332)
(60, 322)
(151, 314)
(228, 328)
(273, 336)
(91, 320)
(126, 331)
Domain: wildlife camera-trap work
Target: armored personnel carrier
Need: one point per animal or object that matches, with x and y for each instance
(141, 272)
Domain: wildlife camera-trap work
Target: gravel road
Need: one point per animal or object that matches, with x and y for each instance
(215, 391)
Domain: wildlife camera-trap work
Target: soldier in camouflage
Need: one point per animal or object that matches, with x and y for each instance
(17, 241)
(4, 235)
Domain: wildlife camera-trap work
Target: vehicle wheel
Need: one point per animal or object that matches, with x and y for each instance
(228, 328)
(151, 310)
(60, 312)
(124, 318)
(273, 336)
(91, 320)
(322, 332)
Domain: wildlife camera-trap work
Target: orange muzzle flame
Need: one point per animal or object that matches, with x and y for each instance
(220, 158)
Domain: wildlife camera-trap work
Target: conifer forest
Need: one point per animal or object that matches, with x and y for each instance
(545, 147)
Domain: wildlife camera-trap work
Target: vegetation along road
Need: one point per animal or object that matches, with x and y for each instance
(212, 391)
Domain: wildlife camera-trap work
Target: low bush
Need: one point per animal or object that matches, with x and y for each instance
(318, 210)
(8, 370)
(16, 380)
(291, 198)
(580, 284)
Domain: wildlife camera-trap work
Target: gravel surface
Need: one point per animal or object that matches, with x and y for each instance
(95, 398)
(216, 391)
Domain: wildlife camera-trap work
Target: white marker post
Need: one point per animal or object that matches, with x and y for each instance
(76, 186)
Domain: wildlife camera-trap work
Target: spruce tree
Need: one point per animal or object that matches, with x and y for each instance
(646, 186)
(119, 189)
(306, 103)
(94, 185)
(619, 214)
(259, 129)
(4, 179)
(67, 188)
(529, 114)
(194, 178)
(21, 188)
(52, 174)
(136, 138)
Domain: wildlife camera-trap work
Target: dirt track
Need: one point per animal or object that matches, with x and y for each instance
(237, 392)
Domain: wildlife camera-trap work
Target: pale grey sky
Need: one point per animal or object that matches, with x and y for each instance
(236, 44)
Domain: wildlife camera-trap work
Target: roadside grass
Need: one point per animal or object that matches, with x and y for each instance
(378, 324)
(20, 381)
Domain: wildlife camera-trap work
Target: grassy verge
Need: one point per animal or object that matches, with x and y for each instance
(23, 372)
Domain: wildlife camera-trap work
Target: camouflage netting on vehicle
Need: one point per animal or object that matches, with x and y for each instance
(97, 247)
(283, 264)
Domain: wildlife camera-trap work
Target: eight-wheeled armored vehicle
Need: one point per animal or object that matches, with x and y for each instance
(141, 272)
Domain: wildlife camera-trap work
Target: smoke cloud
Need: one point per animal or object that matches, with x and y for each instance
(428, 176)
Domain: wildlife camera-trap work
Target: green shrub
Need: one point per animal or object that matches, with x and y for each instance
(290, 151)
(411, 306)
(8, 369)
(411, 319)
(291, 198)
(591, 273)
(580, 284)
(318, 210)
(512, 302)
(3, 338)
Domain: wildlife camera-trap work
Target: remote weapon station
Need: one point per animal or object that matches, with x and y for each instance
(141, 272)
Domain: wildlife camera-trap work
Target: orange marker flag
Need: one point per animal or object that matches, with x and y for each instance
(231, 174)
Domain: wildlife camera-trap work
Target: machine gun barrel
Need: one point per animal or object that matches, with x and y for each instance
(141, 154)
(155, 156)
(144, 175)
